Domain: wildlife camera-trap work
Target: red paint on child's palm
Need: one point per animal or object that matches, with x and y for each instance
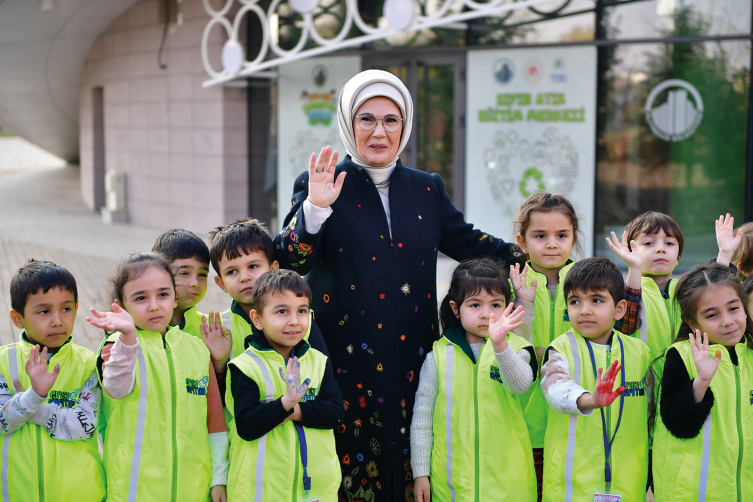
(604, 395)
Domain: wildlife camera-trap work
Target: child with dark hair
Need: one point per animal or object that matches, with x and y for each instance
(166, 437)
(282, 446)
(651, 247)
(548, 228)
(704, 423)
(240, 253)
(573, 385)
(48, 419)
(469, 395)
(189, 260)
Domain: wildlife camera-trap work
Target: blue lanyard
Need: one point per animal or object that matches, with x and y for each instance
(607, 441)
(303, 448)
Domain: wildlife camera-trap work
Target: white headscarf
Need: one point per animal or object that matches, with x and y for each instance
(366, 85)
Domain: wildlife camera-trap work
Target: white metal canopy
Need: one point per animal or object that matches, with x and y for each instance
(400, 15)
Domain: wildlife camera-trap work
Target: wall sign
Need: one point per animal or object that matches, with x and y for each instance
(531, 126)
(678, 117)
(307, 96)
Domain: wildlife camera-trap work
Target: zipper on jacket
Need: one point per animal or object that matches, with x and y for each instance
(475, 414)
(739, 433)
(40, 464)
(552, 320)
(174, 404)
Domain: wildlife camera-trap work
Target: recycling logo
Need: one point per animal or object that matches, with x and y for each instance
(531, 182)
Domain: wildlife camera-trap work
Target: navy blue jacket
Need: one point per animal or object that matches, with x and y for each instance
(375, 302)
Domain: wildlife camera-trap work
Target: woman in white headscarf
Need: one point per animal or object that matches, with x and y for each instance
(369, 246)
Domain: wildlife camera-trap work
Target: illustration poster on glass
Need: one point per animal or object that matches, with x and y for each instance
(307, 95)
(530, 126)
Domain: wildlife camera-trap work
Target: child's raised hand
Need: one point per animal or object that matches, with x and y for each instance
(726, 238)
(422, 489)
(628, 253)
(705, 366)
(603, 394)
(217, 339)
(518, 279)
(36, 367)
(498, 329)
(294, 390)
(117, 320)
(323, 188)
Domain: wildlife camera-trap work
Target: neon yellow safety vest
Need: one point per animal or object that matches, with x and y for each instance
(716, 465)
(660, 317)
(481, 449)
(157, 444)
(548, 324)
(574, 445)
(270, 468)
(240, 328)
(35, 467)
(192, 321)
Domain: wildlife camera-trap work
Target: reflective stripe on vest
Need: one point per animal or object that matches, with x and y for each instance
(270, 396)
(705, 459)
(644, 325)
(138, 442)
(229, 325)
(448, 416)
(572, 424)
(6, 440)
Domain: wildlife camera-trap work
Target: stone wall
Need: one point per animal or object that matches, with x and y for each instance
(183, 148)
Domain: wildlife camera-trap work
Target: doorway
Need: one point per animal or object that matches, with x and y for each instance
(437, 84)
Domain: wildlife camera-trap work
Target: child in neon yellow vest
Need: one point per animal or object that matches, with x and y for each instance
(189, 260)
(282, 441)
(166, 437)
(48, 419)
(468, 435)
(240, 252)
(702, 447)
(579, 441)
(651, 247)
(548, 231)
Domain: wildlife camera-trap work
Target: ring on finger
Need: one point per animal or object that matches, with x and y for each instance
(319, 170)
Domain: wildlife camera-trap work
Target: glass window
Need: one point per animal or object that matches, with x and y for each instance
(673, 138)
(661, 18)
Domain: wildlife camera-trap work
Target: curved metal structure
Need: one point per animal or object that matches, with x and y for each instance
(401, 16)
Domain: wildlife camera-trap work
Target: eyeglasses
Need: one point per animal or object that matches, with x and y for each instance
(367, 122)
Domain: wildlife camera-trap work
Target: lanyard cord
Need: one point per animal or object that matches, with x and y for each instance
(303, 447)
(608, 443)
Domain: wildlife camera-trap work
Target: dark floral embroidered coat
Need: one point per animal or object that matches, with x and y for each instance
(374, 298)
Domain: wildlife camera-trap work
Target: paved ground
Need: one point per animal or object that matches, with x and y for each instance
(44, 217)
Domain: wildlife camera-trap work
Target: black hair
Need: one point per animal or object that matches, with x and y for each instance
(469, 278)
(35, 276)
(133, 267)
(595, 274)
(276, 281)
(238, 238)
(650, 223)
(180, 244)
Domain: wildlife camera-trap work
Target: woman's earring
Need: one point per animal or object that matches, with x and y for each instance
(457, 316)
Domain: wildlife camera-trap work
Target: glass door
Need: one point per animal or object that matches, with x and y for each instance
(437, 85)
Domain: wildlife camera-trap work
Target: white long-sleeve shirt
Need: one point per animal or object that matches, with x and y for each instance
(67, 424)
